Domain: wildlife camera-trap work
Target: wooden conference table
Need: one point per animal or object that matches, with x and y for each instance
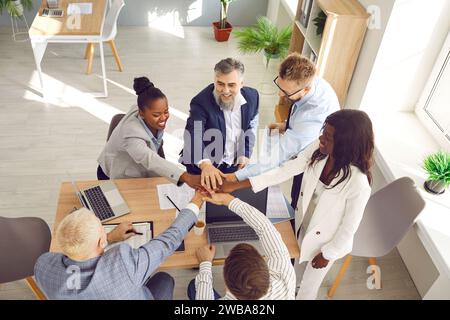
(68, 29)
(142, 199)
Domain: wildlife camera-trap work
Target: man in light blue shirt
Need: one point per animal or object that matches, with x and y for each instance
(312, 99)
(83, 270)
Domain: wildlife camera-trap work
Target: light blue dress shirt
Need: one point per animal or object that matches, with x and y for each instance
(159, 136)
(306, 121)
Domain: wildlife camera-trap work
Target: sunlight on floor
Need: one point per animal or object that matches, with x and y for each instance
(65, 96)
(168, 23)
(173, 112)
(171, 22)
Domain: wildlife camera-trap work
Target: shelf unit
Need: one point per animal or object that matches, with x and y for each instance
(336, 51)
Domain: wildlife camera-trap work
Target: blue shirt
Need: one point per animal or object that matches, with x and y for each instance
(306, 121)
(159, 136)
(119, 274)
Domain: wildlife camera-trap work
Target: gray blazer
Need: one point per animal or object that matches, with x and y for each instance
(120, 273)
(130, 153)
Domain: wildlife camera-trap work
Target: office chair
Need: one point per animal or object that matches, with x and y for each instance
(114, 122)
(389, 214)
(22, 241)
(108, 35)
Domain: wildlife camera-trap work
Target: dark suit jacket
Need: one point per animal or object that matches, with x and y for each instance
(206, 113)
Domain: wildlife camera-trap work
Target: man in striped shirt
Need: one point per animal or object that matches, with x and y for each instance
(247, 275)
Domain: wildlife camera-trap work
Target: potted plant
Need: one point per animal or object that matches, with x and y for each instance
(19, 24)
(264, 36)
(15, 8)
(223, 28)
(437, 165)
(319, 22)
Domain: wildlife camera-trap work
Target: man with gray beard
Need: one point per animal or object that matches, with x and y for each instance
(221, 129)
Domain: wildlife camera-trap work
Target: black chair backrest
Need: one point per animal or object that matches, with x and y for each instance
(114, 122)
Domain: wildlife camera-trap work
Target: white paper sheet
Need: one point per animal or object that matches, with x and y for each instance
(276, 204)
(79, 8)
(137, 240)
(181, 196)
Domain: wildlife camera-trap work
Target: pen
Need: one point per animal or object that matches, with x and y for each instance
(172, 203)
(135, 232)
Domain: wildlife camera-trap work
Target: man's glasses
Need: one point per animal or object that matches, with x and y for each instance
(285, 93)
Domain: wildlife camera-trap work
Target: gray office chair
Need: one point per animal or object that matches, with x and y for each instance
(389, 214)
(22, 241)
(114, 122)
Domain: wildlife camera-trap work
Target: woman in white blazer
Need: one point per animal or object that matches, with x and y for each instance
(334, 192)
(134, 149)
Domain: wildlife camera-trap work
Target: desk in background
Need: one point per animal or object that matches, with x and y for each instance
(67, 29)
(142, 199)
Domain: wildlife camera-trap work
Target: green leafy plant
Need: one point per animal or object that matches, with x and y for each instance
(264, 36)
(224, 5)
(15, 7)
(437, 165)
(319, 22)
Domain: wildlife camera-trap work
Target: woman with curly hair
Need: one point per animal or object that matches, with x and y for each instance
(335, 189)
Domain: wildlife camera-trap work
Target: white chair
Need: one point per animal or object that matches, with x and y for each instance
(108, 35)
(389, 215)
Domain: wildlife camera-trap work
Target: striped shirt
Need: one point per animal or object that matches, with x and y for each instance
(282, 274)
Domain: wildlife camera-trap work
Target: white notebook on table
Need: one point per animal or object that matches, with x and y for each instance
(135, 241)
(79, 8)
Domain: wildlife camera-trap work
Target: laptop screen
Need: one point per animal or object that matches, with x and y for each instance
(215, 213)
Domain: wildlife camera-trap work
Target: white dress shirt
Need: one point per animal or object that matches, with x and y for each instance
(233, 125)
(281, 271)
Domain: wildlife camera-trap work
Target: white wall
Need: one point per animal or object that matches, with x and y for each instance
(368, 53)
(414, 35)
(272, 10)
(277, 12)
(185, 12)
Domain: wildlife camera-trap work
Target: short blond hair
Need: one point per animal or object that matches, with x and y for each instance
(297, 68)
(78, 233)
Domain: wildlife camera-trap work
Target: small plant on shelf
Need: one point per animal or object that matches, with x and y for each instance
(319, 22)
(437, 165)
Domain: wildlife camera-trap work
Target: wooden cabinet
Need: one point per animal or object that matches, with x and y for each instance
(336, 50)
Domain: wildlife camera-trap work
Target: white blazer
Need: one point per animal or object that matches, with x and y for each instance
(130, 153)
(338, 213)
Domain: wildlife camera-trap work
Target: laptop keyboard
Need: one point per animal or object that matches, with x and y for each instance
(99, 203)
(231, 234)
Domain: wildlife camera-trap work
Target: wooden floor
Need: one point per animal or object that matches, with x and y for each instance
(40, 142)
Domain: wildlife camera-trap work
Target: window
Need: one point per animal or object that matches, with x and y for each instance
(433, 108)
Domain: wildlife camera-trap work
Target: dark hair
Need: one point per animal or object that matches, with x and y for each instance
(353, 143)
(246, 273)
(146, 92)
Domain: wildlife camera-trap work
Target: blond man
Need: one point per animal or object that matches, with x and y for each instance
(85, 271)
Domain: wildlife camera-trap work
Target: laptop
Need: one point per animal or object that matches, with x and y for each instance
(104, 200)
(226, 229)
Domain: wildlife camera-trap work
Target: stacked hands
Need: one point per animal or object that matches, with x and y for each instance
(211, 180)
(206, 253)
(214, 187)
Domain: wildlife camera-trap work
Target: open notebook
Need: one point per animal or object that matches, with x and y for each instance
(135, 241)
(138, 240)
